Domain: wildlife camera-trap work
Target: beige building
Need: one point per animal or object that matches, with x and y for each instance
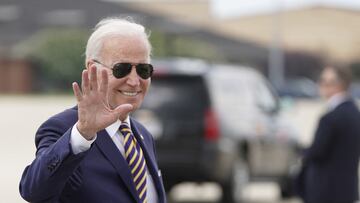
(330, 32)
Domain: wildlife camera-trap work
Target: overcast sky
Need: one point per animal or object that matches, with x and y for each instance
(238, 8)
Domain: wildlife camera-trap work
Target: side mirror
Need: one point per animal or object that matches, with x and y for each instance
(270, 109)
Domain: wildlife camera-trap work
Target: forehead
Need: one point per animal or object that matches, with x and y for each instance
(132, 49)
(329, 74)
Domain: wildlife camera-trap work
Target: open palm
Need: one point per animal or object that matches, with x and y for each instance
(94, 111)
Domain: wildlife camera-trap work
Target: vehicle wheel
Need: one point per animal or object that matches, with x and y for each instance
(238, 179)
(168, 186)
(286, 188)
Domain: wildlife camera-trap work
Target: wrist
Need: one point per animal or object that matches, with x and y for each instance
(87, 134)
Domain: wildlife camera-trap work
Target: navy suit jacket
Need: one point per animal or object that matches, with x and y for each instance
(331, 163)
(100, 174)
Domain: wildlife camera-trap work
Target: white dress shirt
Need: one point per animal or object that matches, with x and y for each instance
(336, 100)
(80, 144)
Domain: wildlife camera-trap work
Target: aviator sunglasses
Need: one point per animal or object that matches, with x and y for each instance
(120, 70)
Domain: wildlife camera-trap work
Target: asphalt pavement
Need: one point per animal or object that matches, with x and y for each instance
(260, 192)
(22, 115)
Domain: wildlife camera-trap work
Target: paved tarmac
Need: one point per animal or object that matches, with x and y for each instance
(22, 115)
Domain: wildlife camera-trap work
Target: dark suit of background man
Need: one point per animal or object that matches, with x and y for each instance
(82, 152)
(331, 162)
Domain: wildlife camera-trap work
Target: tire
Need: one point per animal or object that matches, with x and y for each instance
(286, 188)
(168, 185)
(231, 190)
(168, 188)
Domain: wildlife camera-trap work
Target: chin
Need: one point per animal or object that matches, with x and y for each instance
(135, 107)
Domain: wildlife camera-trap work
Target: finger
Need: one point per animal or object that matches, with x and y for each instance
(123, 111)
(104, 82)
(85, 82)
(93, 78)
(77, 91)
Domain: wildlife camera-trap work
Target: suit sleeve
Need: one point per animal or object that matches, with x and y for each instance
(45, 178)
(323, 139)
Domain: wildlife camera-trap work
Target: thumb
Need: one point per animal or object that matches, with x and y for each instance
(123, 111)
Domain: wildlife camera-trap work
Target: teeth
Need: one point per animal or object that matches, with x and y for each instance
(129, 93)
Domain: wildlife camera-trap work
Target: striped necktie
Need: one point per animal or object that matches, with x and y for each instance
(135, 158)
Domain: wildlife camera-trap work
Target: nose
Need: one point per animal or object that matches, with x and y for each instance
(133, 78)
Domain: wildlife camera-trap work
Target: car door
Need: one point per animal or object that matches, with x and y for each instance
(268, 154)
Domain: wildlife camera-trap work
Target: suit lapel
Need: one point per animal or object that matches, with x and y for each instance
(108, 148)
(150, 162)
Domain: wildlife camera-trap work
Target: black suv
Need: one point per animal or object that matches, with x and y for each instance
(216, 123)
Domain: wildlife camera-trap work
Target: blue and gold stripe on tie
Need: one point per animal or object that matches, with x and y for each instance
(135, 158)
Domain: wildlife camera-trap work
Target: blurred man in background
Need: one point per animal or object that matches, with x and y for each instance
(95, 152)
(331, 162)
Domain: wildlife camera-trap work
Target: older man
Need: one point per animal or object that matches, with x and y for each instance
(331, 162)
(95, 152)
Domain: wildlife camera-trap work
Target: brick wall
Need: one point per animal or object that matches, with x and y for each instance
(15, 76)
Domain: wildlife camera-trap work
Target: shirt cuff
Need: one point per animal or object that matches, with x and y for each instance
(78, 142)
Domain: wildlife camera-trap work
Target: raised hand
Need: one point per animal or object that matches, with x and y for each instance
(94, 111)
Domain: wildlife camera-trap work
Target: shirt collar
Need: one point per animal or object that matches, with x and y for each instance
(336, 100)
(113, 128)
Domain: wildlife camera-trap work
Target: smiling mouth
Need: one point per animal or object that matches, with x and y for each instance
(129, 94)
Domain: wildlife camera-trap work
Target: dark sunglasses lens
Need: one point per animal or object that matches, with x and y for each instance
(120, 70)
(144, 70)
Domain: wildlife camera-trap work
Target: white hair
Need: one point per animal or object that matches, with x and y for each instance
(113, 26)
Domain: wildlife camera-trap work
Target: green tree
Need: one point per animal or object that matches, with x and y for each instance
(59, 57)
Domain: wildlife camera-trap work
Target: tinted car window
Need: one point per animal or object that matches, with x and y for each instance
(265, 98)
(177, 93)
(179, 103)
